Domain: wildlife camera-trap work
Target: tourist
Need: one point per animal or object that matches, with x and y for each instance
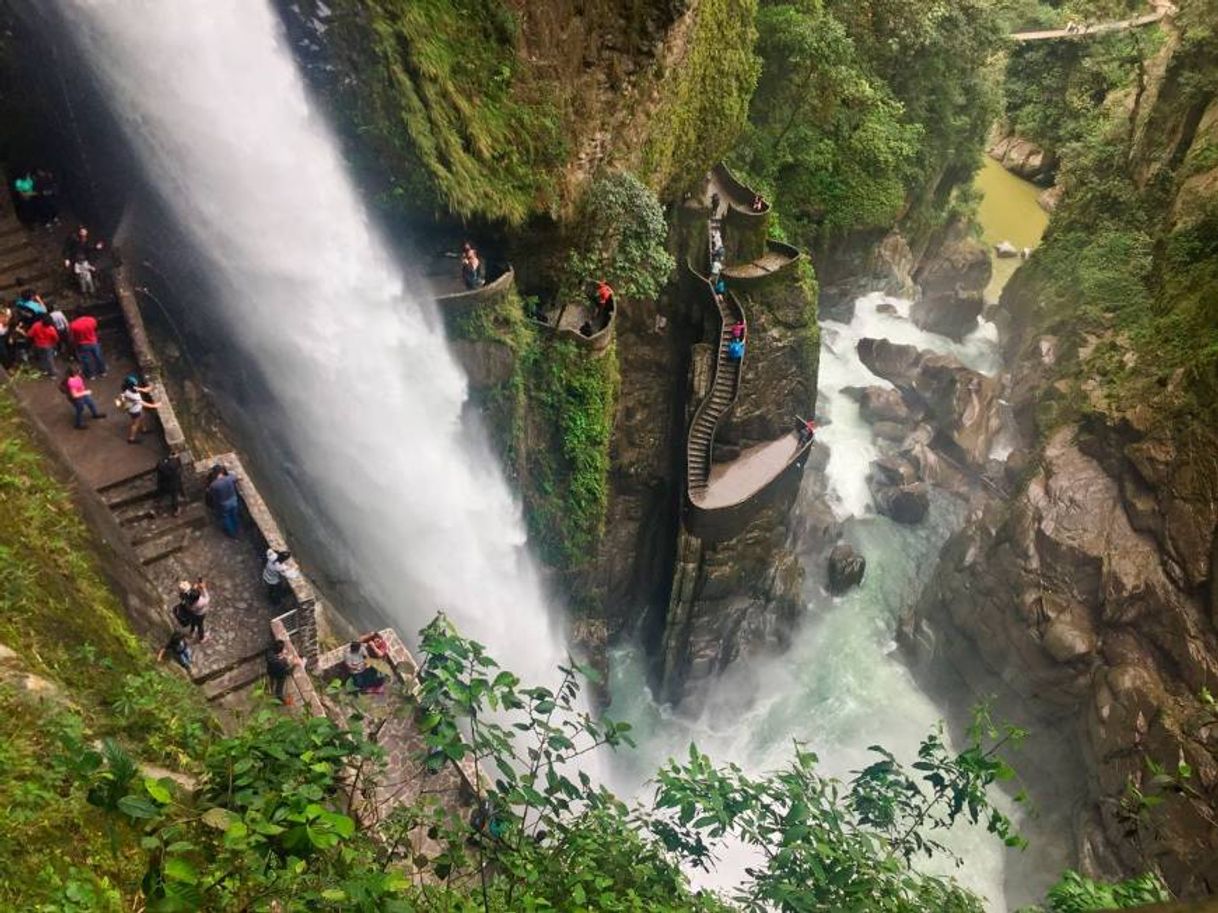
(60, 321)
(759, 204)
(806, 429)
(132, 401)
(83, 330)
(29, 305)
(604, 299)
(84, 271)
(276, 574)
(738, 330)
(720, 285)
(79, 245)
(716, 269)
(44, 338)
(714, 205)
(357, 670)
(6, 351)
(81, 397)
(279, 666)
(178, 648)
(169, 481)
(224, 496)
(716, 238)
(46, 189)
(735, 350)
(471, 267)
(194, 601)
(25, 198)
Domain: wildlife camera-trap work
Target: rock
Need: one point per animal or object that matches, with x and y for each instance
(885, 307)
(958, 401)
(894, 263)
(1006, 250)
(486, 364)
(906, 504)
(883, 404)
(846, 568)
(889, 431)
(1068, 639)
(953, 283)
(1050, 199)
(893, 470)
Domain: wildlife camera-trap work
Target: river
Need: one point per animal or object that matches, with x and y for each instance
(1010, 211)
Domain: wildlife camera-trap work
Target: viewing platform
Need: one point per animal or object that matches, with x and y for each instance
(723, 496)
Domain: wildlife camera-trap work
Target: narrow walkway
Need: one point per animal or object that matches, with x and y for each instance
(1099, 28)
(170, 548)
(712, 485)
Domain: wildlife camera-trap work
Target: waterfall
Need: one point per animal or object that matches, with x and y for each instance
(355, 387)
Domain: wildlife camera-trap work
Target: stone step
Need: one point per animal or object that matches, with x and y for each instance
(19, 261)
(163, 547)
(222, 682)
(148, 525)
(131, 490)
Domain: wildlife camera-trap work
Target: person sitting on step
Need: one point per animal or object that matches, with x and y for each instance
(356, 670)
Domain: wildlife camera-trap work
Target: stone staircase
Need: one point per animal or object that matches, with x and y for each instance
(722, 395)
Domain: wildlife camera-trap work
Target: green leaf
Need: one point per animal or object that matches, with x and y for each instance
(179, 869)
(219, 818)
(158, 790)
(138, 807)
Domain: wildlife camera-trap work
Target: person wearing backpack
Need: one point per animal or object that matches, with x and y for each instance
(80, 396)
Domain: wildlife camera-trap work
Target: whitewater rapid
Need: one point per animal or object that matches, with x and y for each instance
(840, 687)
(354, 392)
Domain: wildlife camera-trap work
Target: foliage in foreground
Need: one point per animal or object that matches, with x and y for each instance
(275, 819)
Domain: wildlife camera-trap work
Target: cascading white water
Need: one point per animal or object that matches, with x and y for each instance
(362, 384)
(839, 688)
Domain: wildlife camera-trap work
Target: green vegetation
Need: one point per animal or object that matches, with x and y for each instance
(67, 627)
(267, 819)
(438, 88)
(1130, 259)
(706, 101)
(1057, 92)
(620, 238)
(271, 823)
(865, 111)
(1078, 894)
(572, 397)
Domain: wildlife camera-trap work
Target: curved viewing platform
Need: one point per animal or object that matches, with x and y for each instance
(777, 257)
(738, 196)
(580, 324)
(722, 497)
(490, 293)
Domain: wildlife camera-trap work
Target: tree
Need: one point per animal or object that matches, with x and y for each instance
(272, 824)
(620, 237)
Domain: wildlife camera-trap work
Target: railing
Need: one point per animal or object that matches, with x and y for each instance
(491, 292)
(597, 342)
(739, 196)
(724, 388)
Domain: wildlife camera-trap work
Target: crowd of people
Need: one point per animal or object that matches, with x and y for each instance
(718, 282)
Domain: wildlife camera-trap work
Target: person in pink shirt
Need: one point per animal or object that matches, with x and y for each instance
(81, 397)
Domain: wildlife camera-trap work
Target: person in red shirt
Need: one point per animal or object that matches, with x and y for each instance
(83, 330)
(44, 338)
(805, 428)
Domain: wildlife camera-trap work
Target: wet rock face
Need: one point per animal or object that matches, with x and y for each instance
(958, 402)
(906, 504)
(846, 568)
(952, 283)
(1024, 158)
(1064, 604)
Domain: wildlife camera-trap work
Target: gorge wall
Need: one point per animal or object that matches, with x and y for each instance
(1089, 598)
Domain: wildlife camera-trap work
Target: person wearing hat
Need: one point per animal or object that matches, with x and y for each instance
(194, 601)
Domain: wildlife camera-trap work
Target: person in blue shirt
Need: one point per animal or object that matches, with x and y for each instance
(224, 496)
(735, 350)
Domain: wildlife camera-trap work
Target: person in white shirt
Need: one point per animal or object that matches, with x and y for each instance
(276, 575)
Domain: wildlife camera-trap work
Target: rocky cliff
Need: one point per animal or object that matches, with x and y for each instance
(1088, 600)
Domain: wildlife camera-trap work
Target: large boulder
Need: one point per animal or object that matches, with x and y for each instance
(906, 504)
(884, 404)
(953, 282)
(846, 568)
(959, 402)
